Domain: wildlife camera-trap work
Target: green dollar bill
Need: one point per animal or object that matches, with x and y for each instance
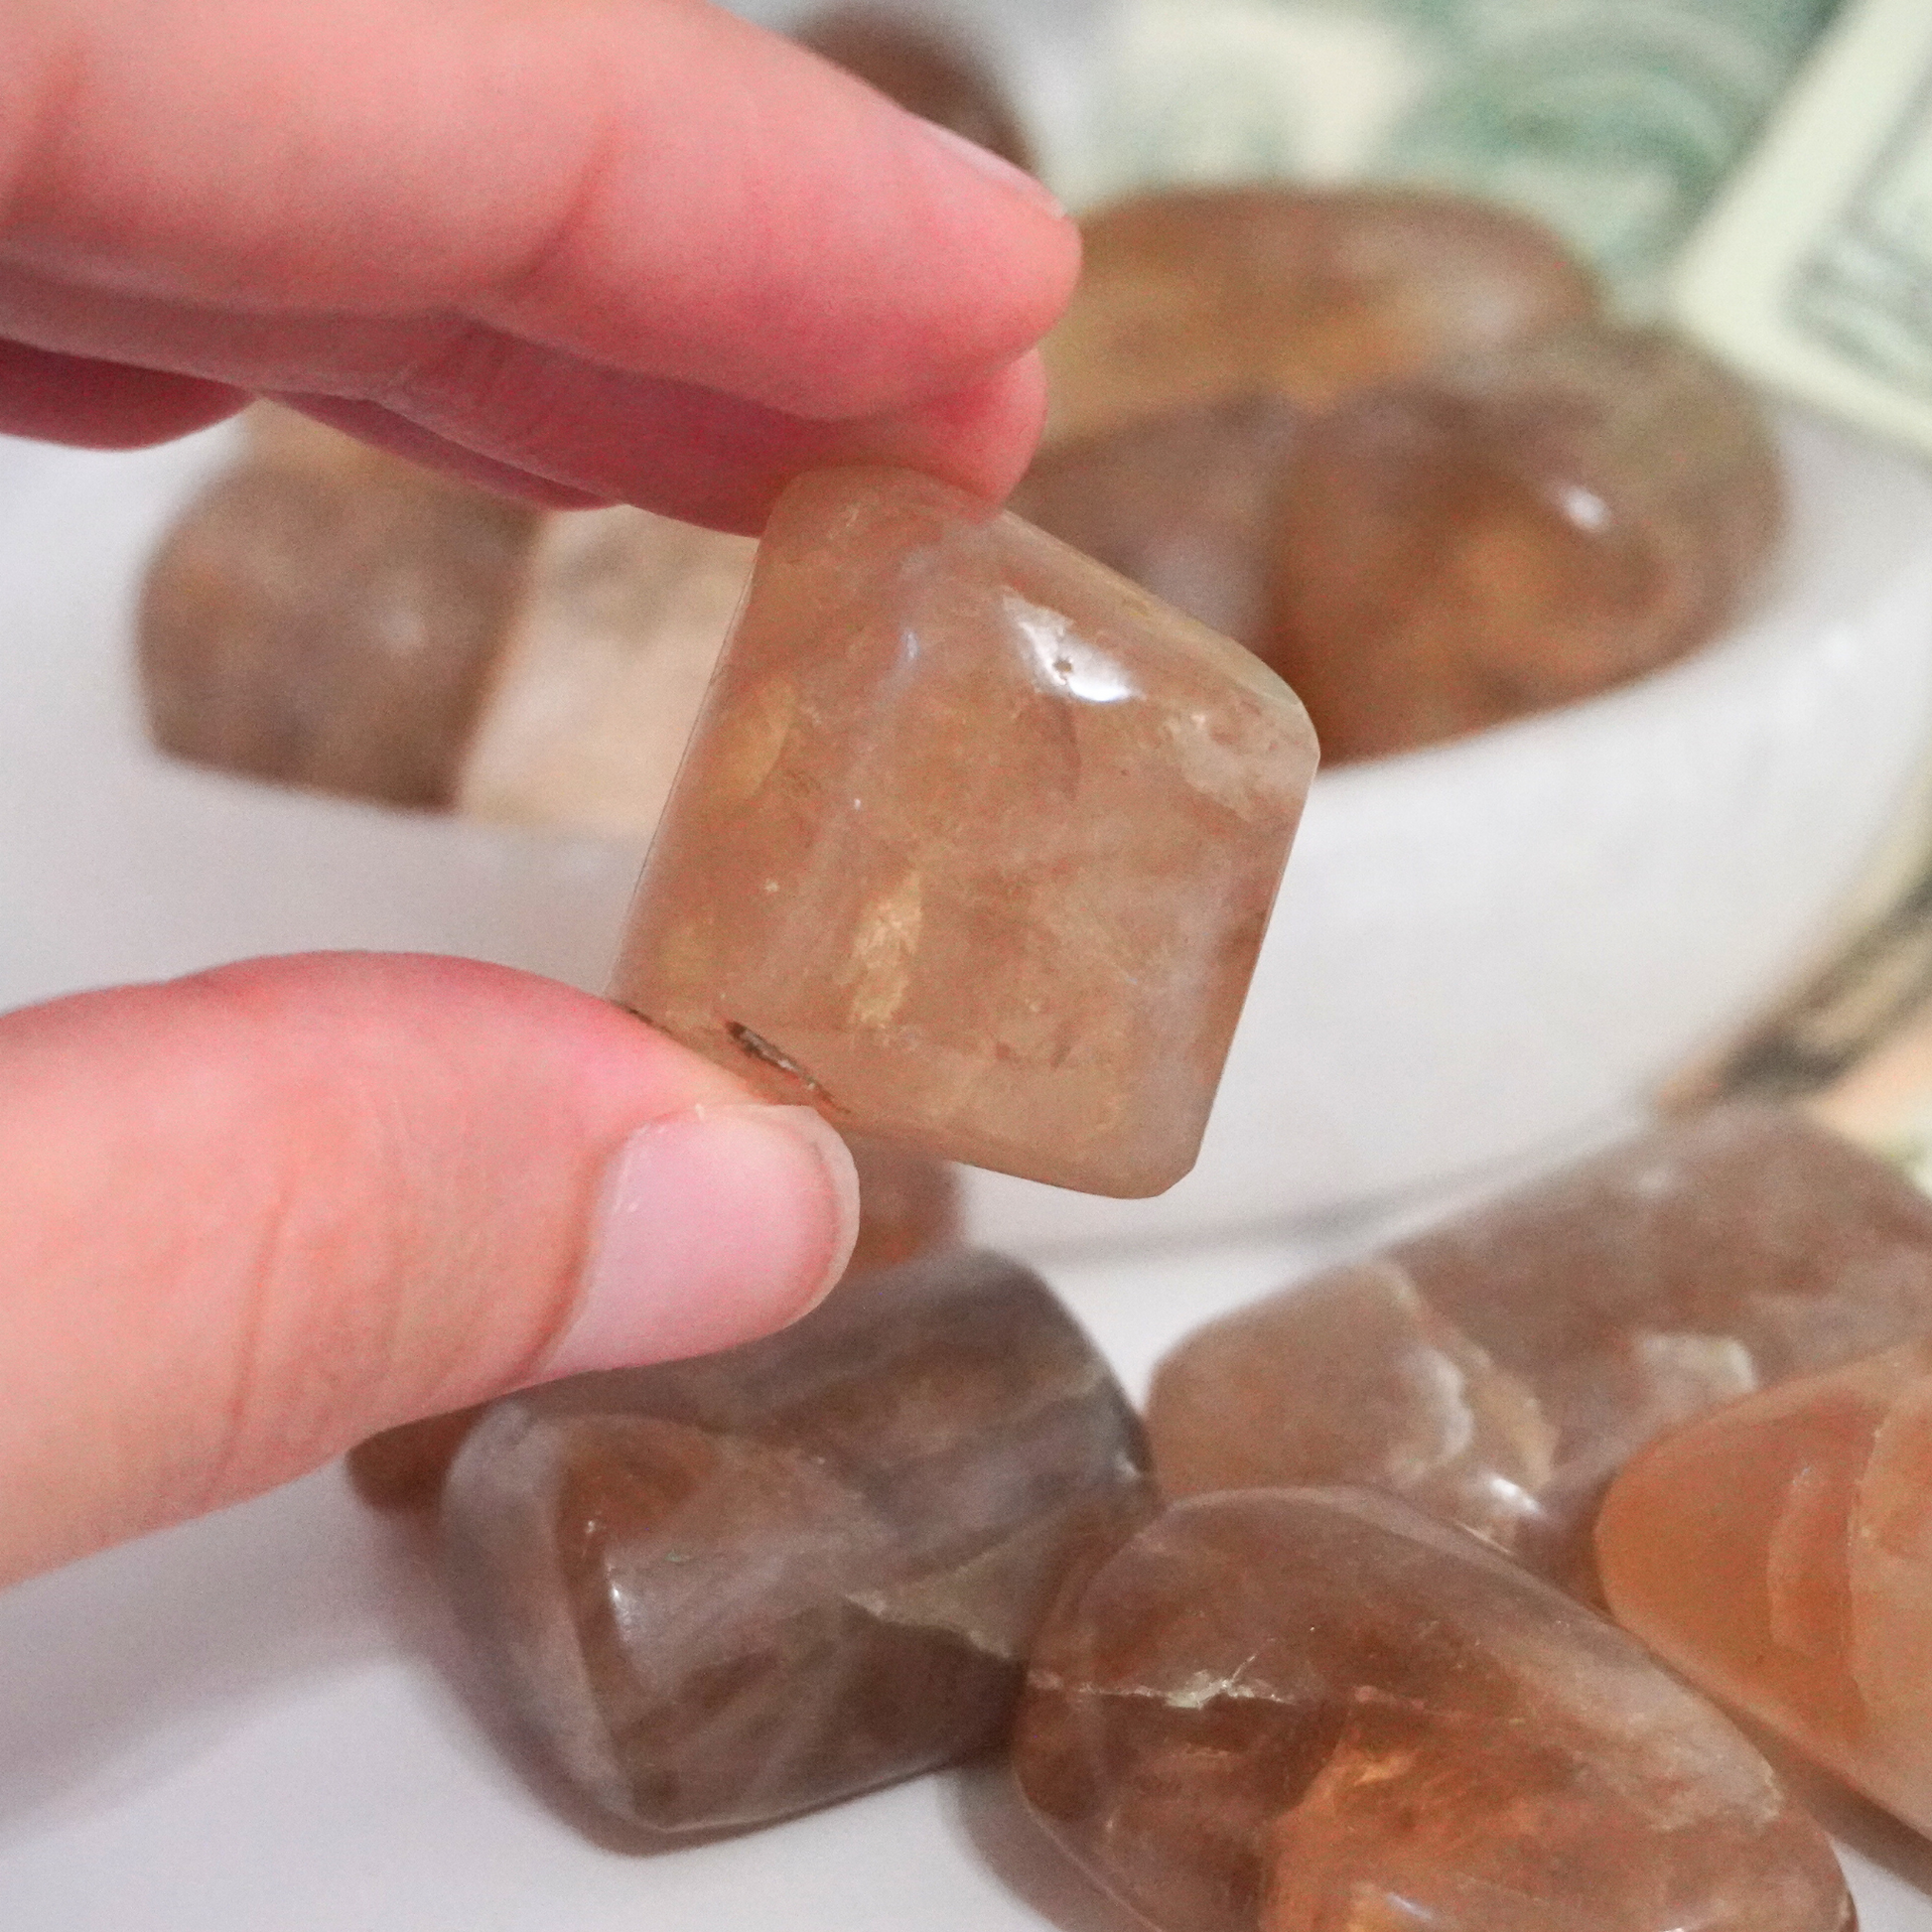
(1813, 271)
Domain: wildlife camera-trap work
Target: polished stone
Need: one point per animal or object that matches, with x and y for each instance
(916, 63)
(1306, 1711)
(1522, 531)
(725, 1591)
(1779, 1554)
(1186, 504)
(326, 617)
(974, 844)
(604, 664)
(1193, 296)
(908, 1206)
(1500, 1368)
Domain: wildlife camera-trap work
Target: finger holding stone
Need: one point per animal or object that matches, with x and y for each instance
(252, 1217)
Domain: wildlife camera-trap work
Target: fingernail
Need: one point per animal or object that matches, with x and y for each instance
(714, 1227)
(995, 167)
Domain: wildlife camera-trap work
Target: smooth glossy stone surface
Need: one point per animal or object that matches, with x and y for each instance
(725, 1591)
(1499, 1369)
(603, 665)
(1779, 1554)
(974, 844)
(1185, 504)
(1195, 295)
(1306, 1711)
(924, 68)
(325, 616)
(908, 1204)
(1521, 532)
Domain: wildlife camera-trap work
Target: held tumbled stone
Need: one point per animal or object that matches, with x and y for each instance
(725, 1591)
(1517, 533)
(908, 1204)
(1498, 1369)
(1306, 1711)
(326, 617)
(1778, 1553)
(1194, 295)
(975, 842)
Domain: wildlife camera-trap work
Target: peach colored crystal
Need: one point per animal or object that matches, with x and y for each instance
(975, 843)
(1195, 295)
(1779, 1554)
(1516, 532)
(605, 661)
(1309, 1711)
(1498, 1369)
(1186, 504)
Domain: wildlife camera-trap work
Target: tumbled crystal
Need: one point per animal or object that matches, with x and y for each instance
(1194, 295)
(1498, 1369)
(606, 657)
(924, 68)
(325, 616)
(1186, 504)
(1522, 531)
(728, 1589)
(975, 843)
(1779, 1554)
(908, 1204)
(1306, 1711)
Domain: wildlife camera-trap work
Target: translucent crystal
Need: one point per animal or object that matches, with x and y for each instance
(605, 658)
(1779, 1554)
(326, 617)
(1498, 1369)
(724, 1591)
(1195, 295)
(1306, 1711)
(1517, 533)
(974, 844)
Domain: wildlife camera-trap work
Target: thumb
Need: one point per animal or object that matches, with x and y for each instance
(249, 1217)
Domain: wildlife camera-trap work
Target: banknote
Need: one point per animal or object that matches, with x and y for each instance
(1616, 121)
(1814, 269)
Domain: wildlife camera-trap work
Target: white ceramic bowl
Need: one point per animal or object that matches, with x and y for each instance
(1482, 950)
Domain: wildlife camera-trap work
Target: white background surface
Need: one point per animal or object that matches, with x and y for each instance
(258, 1722)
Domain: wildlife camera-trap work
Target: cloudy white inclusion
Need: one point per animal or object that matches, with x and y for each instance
(1063, 663)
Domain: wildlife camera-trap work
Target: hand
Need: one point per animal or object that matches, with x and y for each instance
(582, 249)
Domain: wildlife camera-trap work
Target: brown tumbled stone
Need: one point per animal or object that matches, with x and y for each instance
(908, 1204)
(1186, 504)
(326, 617)
(975, 842)
(1779, 1554)
(932, 73)
(1499, 1369)
(724, 1591)
(1306, 1711)
(1516, 533)
(1191, 295)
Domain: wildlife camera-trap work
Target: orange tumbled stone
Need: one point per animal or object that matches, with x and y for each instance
(1310, 1710)
(1779, 1554)
(975, 842)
